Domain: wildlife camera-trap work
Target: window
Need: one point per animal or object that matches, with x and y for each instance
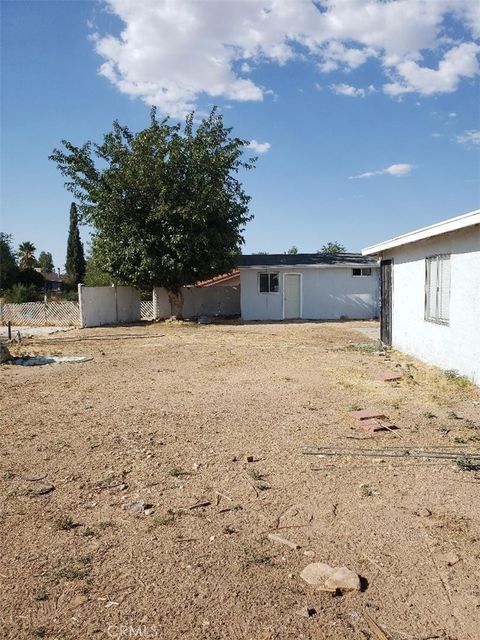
(364, 271)
(437, 289)
(268, 283)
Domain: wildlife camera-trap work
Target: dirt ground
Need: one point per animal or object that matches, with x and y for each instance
(167, 414)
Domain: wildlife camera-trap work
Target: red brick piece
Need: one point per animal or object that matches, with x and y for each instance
(372, 425)
(366, 414)
(389, 376)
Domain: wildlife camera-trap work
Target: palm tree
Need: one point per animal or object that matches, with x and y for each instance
(26, 253)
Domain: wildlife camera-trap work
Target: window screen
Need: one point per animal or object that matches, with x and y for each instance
(268, 283)
(364, 271)
(437, 289)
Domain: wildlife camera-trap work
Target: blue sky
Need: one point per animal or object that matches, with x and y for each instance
(366, 112)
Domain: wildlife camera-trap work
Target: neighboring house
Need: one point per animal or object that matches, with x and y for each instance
(53, 281)
(312, 286)
(231, 279)
(430, 290)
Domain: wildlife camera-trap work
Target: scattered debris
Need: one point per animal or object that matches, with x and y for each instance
(274, 537)
(389, 376)
(199, 505)
(326, 578)
(401, 452)
(41, 491)
(306, 612)
(249, 459)
(137, 507)
(423, 512)
(32, 477)
(375, 629)
(35, 361)
(374, 424)
(366, 414)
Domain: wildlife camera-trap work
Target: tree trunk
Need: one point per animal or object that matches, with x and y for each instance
(176, 304)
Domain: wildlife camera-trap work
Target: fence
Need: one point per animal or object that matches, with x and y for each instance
(108, 305)
(146, 310)
(41, 314)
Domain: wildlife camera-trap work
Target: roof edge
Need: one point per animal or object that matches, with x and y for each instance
(445, 226)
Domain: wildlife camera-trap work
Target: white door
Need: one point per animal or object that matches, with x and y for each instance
(292, 295)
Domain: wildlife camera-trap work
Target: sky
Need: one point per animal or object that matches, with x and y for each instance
(364, 113)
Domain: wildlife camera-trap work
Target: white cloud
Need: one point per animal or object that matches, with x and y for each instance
(173, 52)
(259, 147)
(396, 170)
(469, 137)
(452, 115)
(354, 92)
(437, 135)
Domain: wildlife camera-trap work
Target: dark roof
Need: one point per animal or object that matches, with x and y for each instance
(297, 259)
(52, 277)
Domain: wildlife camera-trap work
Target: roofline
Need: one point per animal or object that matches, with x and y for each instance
(452, 224)
(312, 266)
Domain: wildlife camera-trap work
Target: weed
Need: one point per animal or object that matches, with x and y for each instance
(366, 347)
(469, 424)
(88, 532)
(75, 569)
(105, 525)
(228, 529)
(176, 472)
(355, 407)
(8, 475)
(255, 474)
(396, 405)
(460, 440)
(40, 632)
(467, 464)
(166, 519)
(429, 414)
(453, 416)
(255, 557)
(262, 486)
(444, 430)
(65, 523)
(40, 594)
(236, 507)
(365, 490)
(452, 375)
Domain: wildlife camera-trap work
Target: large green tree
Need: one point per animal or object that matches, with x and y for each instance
(8, 262)
(45, 262)
(75, 264)
(26, 255)
(165, 203)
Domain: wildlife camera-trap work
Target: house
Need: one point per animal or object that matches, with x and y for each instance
(430, 293)
(53, 281)
(312, 286)
(230, 279)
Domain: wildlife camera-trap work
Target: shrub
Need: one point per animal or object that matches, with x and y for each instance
(22, 293)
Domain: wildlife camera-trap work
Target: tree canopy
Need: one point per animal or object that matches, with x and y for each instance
(45, 262)
(293, 250)
(8, 262)
(165, 203)
(75, 264)
(26, 255)
(333, 247)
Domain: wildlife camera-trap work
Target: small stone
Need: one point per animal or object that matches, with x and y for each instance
(309, 553)
(423, 512)
(79, 600)
(450, 558)
(137, 507)
(42, 491)
(249, 458)
(306, 612)
(149, 512)
(316, 573)
(343, 579)
(122, 487)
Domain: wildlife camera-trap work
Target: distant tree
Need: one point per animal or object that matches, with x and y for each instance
(260, 253)
(165, 203)
(332, 247)
(31, 277)
(22, 293)
(95, 276)
(45, 262)
(75, 264)
(26, 255)
(293, 250)
(8, 262)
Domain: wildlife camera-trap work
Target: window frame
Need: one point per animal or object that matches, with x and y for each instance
(437, 260)
(361, 274)
(269, 274)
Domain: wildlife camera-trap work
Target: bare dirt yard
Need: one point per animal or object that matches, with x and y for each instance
(129, 509)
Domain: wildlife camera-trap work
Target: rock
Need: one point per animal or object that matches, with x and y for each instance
(326, 578)
(4, 353)
(249, 458)
(309, 553)
(137, 507)
(423, 512)
(79, 600)
(343, 579)
(306, 612)
(34, 477)
(149, 512)
(42, 491)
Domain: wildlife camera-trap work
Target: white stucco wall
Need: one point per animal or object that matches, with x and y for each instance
(199, 301)
(328, 293)
(108, 305)
(456, 346)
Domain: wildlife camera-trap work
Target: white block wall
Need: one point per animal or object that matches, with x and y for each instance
(199, 301)
(328, 293)
(456, 346)
(108, 305)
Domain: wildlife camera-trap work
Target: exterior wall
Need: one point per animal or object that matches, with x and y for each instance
(454, 346)
(108, 305)
(200, 301)
(327, 293)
